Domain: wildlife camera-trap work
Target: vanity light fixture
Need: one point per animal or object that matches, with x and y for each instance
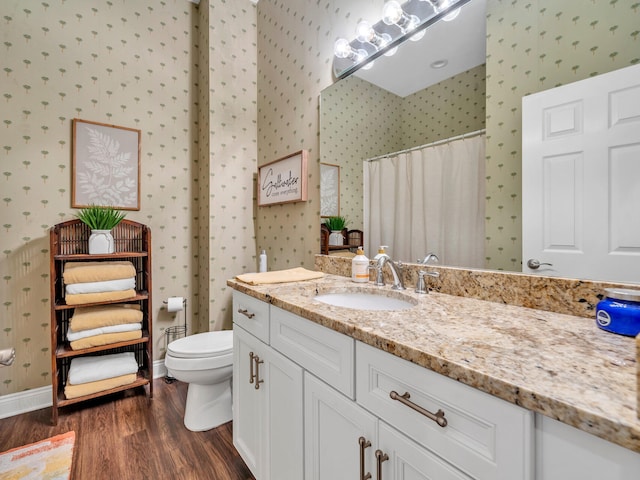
(400, 22)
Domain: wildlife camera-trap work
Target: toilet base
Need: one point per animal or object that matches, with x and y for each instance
(208, 406)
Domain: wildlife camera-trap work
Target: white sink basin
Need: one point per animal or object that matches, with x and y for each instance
(364, 301)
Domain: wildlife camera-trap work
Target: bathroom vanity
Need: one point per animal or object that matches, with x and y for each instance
(450, 388)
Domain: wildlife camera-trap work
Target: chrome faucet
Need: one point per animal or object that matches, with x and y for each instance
(421, 285)
(396, 270)
(428, 258)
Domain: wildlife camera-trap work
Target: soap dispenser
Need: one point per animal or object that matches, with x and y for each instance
(263, 261)
(381, 251)
(360, 267)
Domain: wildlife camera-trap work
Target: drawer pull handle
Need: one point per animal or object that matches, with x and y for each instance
(246, 312)
(364, 443)
(380, 457)
(437, 417)
(256, 359)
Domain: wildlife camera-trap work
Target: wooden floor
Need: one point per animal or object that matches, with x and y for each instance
(127, 436)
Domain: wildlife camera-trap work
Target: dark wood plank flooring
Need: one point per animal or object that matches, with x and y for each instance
(127, 436)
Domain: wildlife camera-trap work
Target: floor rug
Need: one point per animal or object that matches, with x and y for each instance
(48, 459)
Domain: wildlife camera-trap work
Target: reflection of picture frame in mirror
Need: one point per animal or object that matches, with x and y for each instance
(329, 190)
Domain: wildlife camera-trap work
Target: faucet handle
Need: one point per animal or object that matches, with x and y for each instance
(379, 277)
(421, 286)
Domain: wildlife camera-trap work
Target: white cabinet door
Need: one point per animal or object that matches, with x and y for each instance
(333, 427)
(248, 403)
(267, 409)
(284, 451)
(566, 453)
(407, 461)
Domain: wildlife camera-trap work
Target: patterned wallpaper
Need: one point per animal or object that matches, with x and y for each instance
(135, 64)
(359, 120)
(534, 45)
(232, 153)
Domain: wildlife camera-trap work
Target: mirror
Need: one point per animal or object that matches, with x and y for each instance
(384, 110)
(528, 50)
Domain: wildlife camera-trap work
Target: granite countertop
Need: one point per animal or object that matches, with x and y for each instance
(558, 365)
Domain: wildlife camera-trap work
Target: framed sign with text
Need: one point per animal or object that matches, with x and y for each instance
(283, 180)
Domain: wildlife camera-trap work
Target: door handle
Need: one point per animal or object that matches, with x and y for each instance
(252, 375)
(256, 359)
(534, 264)
(380, 457)
(364, 443)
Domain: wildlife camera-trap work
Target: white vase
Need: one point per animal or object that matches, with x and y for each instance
(101, 241)
(336, 238)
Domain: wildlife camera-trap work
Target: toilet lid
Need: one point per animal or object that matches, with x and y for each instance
(208, 344)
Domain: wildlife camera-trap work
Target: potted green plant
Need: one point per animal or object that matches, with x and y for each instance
(336, 225)
(101, 220)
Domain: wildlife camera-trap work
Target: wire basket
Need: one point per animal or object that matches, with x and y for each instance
(174, 333)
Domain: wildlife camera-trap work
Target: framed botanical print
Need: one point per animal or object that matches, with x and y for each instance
(329, 190)
(106, 166)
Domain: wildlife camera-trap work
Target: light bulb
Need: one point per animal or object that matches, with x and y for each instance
(342, 49)
(391, 12)
(418, 36)
(451, 16)
(386, 40)
(368, 66)
(364, 31)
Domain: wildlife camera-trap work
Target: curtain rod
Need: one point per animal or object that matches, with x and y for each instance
(432, 144)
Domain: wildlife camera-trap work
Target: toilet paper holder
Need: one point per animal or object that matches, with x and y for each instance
(177, 331)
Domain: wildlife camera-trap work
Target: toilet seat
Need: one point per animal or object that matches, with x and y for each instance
(203, 345)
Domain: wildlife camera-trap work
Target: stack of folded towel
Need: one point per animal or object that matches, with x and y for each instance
(89, 375)
(105, 324)
(92, 282)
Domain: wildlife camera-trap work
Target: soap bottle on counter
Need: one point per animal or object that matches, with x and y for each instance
(381, 251)
(360, 267)
(263, 261)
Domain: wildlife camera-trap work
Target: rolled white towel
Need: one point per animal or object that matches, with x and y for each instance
(94, 368)
(99, 287)
(7, 356)
(124, 327)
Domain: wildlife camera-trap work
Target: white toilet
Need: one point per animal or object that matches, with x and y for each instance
(205, 362)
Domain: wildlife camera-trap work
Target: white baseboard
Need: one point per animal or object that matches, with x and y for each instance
(27, 401)
(37, 398)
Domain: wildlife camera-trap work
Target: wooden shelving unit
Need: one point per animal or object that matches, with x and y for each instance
(69, 243)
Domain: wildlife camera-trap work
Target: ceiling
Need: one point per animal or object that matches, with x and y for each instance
(462, 42)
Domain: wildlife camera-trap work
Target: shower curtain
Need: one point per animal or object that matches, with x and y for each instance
(428, 200)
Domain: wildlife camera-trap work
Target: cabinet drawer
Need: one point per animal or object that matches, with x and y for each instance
(485, 436)
(327, 354)
(252, 315)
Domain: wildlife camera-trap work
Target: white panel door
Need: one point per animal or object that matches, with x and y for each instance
(333, 425)
(581, 178)
(407, 461)
(248, 403)
(284, 417)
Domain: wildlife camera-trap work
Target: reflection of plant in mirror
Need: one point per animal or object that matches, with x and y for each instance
(336, 223)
